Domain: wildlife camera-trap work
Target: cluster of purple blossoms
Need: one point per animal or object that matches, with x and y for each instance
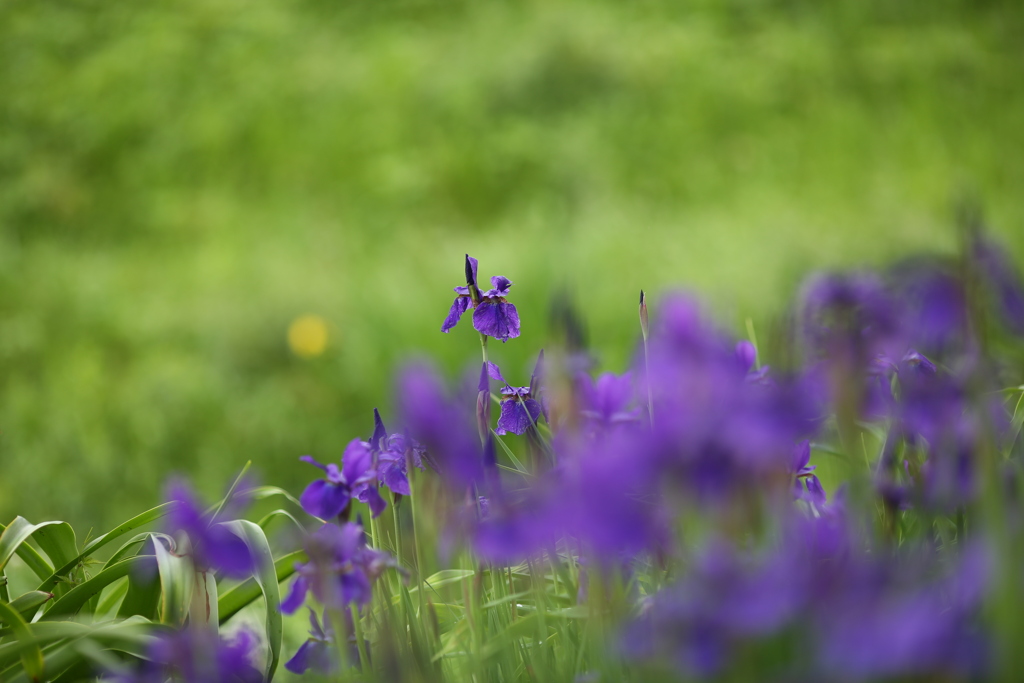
(698, 426)
(197, 656)
(365, 466)
(339, 573)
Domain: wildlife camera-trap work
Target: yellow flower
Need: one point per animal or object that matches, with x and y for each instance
(307, 336)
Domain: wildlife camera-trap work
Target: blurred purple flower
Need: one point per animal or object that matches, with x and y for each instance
(393, 453)
(340, 571)
(214, 545)
(446, 427)
(317, 653)
(196, 656)
(718, 433)
(606, 401)
(1002, 278)
(807, 485)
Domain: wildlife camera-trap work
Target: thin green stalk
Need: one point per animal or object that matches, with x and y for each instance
(357, 625)
(337, 618)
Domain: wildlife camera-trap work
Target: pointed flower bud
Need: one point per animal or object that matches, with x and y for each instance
(644, 325)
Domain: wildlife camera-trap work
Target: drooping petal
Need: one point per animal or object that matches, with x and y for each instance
(324, 500)
(355, 587)
(227, 552)
(496, 319)
(801, 455)
(356, 462)
(296, 595)
(514, 416)
(301, 660)
(459, 306)
(396, 479)
(372, 497)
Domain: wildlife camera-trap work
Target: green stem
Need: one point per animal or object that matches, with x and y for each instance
(650, 394)
(357, 625)
(337, 618)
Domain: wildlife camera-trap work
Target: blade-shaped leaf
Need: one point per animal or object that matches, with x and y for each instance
(12, 540)
(175, 584)
(31, 656)
(71, 602)
(146, 517)
(238, 597)
(265, 575)
(27, 604)
(131, 635)
(58, 542)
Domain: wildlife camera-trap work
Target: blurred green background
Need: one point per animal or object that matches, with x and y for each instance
(179, 181)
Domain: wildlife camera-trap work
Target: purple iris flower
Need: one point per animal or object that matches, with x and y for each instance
(718, 433)
(1002, 279)
(340, 571)
(807, 486)
(390, 453)
(746, 354)
(608, 400)
(196, 656)
(935, 310)
(317, 653)
(357, 478)
(446, 427)
(519, 409)
(493, 316)
(214, 545)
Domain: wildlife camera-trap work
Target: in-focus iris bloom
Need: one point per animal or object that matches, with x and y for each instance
(493, 316)
(519, 409)
(357, 478)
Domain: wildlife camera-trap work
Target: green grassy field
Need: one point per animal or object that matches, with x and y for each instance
(181, 180)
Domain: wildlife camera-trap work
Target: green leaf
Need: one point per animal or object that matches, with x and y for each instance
(52, 577)
(266, 576)
(263, 492)
(31, 656)
(176, 579)
(235, 599)
(71, 602)
(203, 608)
(142, 598)
(267, 519)
(114, 593)
(58, 542)
(131, 636)
(12, 540)
(140, 540)
(27, 604)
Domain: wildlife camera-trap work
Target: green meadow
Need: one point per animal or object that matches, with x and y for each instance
(180, 181)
